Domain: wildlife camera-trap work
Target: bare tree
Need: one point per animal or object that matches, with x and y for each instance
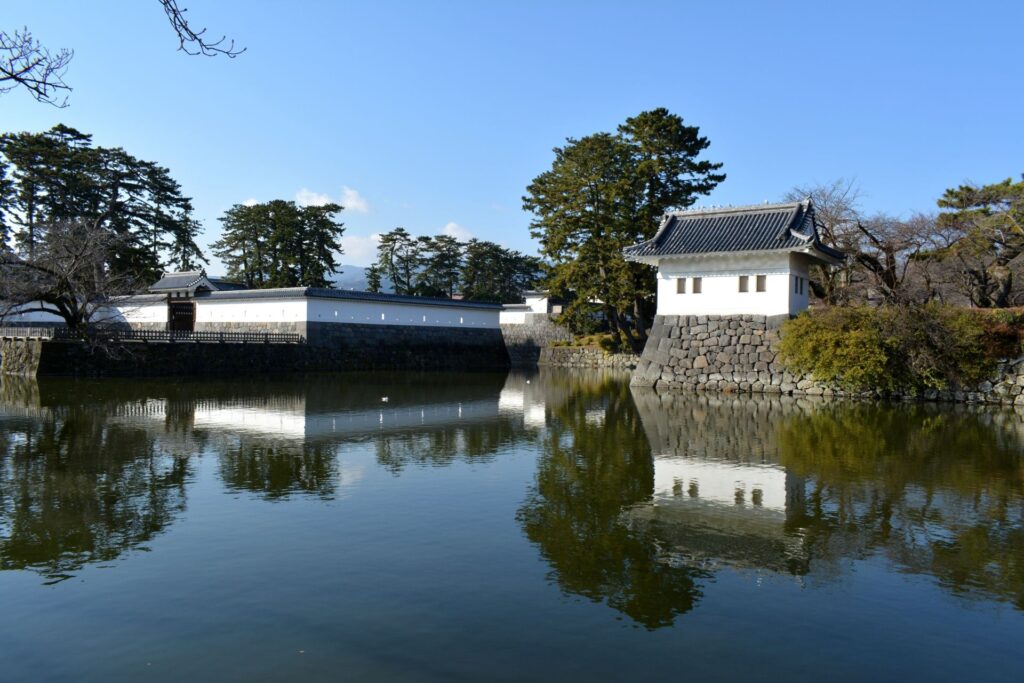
(68, 276)
(888, 252)
(24, 62)
(193, 42)
(837, 212)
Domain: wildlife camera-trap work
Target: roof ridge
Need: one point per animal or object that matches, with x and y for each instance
(702, 211)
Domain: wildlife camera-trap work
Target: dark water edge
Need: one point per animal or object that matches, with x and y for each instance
(502, 526)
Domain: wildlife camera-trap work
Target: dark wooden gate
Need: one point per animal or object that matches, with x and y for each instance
(182, 316)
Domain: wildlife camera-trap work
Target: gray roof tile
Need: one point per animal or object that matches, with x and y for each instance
(745, 228)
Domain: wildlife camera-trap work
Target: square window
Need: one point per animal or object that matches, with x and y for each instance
(762, 283)
(744, 283)
(681, 285)
(696, 285)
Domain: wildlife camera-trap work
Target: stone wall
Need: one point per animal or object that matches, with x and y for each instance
(739, 354)
(714, 353)
(586, 357)
(334, 347)
(524, 342)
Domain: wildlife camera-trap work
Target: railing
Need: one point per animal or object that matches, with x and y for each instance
(129, 334)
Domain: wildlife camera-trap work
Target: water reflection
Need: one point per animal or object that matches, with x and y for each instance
(595, 462)
(807, 488)
(77, 488)
(638, 499)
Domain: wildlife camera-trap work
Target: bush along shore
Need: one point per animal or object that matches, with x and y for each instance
(929, 352)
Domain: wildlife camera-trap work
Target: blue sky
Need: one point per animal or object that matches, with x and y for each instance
(436, 116)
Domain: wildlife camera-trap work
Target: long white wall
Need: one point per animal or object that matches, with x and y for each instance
(211, 311)
(720, 276)
(386, 313)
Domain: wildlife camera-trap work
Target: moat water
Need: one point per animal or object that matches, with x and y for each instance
(552, 526)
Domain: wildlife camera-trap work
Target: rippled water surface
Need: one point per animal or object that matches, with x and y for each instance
(552, 526)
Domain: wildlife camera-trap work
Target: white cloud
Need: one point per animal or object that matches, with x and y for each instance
(455, 230)
(359, 249)
(353, 201)
(251, 201)
(306, 197)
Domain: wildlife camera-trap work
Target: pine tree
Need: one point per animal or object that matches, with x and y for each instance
(607, 191)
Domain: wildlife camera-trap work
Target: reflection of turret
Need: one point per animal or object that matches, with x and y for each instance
(803, 486)
(720, 494)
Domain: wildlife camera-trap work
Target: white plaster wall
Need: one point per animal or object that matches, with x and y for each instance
(151, 312)
(799, 266)
(720, 285)
(148, 312)
(512, 317)
(537, 304)
(298, 310)
(250, 310)
(383, 313)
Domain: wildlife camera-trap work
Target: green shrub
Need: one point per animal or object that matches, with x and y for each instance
(893, 348)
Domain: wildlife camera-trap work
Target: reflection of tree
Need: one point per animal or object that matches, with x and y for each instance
(596, 462)
(443, 446)
(76, 489)
(939, 491)
(278, 470)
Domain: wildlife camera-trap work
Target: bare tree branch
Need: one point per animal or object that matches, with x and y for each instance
(26, 63)
(193, 42)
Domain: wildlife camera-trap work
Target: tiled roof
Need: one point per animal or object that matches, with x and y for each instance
(183, 280)
(765, 227)
(319, 293)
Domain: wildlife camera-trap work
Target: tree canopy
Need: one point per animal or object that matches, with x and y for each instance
(440, 266)
(607, 191)
(970, 253)
(60, 175)
(281, 244)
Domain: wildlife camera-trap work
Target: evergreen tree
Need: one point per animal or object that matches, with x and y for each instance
(59, 176)
(986, 227)
(279, 244)
(322, 241)
(440, 264)
(607, 191)
(493, 273)
(373, 283)
(398, 258)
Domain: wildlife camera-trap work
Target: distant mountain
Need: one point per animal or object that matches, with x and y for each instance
(354, 278)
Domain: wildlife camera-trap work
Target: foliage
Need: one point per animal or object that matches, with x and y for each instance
(493, 273)
(60, 176)
(605, 192)
(988, 226)
(588, 475)
(892, 348)
(280, 244)
(437, 266)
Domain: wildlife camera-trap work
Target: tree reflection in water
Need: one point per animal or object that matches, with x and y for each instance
(76, 489)
(934, 490)
(594, 463)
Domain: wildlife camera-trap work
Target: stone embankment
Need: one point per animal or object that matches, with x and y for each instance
(524, 342)
(586, 357)
(341, 347)
(739, 354)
